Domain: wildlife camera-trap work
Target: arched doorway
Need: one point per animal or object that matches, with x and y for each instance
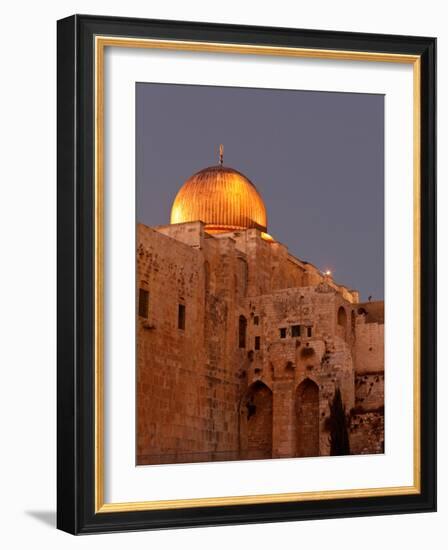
(307, 419)
(256, 422)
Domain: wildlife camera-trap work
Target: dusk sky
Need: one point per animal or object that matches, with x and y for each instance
(317, 159)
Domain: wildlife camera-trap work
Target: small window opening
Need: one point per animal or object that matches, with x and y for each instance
(143, 303)
(309, 331)
(242, 325)
(181, 317)
(257, 342)
(295, 330)
(283, 333)
(256, 320)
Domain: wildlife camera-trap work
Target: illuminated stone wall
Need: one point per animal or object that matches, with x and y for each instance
(255, 357)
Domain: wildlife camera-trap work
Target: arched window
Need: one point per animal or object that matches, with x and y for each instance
(342, 317)
(242, 327)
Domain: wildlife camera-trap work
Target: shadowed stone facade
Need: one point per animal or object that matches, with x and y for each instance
(241, 346)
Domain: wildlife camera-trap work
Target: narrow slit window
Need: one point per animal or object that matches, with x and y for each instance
(309, 331)
(256, 320)
(283, 333)
(257, 342)
(143, 303)
(242, 326)
(181, 317)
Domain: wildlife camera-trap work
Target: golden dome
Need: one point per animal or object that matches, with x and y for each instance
(222, 198)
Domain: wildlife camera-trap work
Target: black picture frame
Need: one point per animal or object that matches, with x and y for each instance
(76, 270)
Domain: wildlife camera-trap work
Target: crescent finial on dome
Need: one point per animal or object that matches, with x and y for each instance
(221, 154)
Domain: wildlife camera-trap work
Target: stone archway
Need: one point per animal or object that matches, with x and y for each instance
(256, 422)
(307, 419)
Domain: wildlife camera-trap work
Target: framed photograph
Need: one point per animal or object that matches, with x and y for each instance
(246, 274)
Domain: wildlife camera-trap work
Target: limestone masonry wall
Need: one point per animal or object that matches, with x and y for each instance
(240, 349)
(367, 433)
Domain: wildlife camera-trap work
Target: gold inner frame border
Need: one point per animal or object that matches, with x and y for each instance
(100, 43)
